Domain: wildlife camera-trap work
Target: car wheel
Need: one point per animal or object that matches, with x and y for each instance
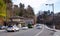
(7, 31)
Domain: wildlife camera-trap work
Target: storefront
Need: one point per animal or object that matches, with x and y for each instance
(19, 21)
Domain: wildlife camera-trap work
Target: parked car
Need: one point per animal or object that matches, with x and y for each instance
(12, 28)
(24, 28)
(38, 26)
(2, 27)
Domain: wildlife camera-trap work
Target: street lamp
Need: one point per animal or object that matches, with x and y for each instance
(52, 6)
(52, 11)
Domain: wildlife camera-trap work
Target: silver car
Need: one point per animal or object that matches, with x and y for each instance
(12, 28)
(38, 26)
(24, 28)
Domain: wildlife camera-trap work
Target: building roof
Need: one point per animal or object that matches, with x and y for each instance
(13, 22)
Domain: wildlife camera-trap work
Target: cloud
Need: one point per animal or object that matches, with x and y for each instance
(36, 4)
(52, 1)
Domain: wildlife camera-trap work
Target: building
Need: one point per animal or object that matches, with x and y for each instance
(29, 21)
(18, 20)
(21, 21)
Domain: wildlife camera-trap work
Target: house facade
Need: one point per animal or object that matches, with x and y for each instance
(29, 21)
(21, 21)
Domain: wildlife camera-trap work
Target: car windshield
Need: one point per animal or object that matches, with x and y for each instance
(10, 26)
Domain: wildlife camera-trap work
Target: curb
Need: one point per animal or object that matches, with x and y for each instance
(2, 30)
(51, 29)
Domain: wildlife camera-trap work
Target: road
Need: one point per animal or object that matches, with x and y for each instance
(30, 32)
(47, 32)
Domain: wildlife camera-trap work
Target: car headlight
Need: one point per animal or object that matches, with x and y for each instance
(12, 29)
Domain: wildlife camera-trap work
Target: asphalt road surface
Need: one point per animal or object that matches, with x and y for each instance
(47, 32)
(30, 32)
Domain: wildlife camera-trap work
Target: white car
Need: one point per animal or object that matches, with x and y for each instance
(12, 28)
(24, 28)
(3, 27)
(38, 26)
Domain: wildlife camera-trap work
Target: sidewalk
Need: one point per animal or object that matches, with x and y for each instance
(51, 29)
(2, 30)
(57, 32)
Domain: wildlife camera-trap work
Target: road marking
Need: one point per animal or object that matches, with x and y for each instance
(40, 31)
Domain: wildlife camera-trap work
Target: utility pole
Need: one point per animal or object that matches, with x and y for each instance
(53, 12)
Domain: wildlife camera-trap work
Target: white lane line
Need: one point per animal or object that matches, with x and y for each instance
(40, 31)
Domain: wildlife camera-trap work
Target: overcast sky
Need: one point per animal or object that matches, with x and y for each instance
(39, 5)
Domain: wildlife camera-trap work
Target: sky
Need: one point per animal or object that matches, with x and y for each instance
(39, 5)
